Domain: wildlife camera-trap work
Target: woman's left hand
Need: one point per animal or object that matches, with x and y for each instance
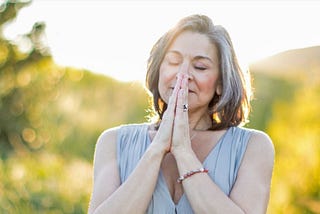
(181, 136)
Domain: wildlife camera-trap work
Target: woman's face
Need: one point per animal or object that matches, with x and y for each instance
(193, 55)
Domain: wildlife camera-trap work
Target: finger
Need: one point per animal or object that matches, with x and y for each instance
(168, 116)
(182, 104)
(173, 98)
(181, 120)
(185, 85)
(182, 100)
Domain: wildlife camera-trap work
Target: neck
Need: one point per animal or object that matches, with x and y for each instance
(199, 121)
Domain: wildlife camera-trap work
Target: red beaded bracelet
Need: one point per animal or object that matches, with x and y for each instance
(190, 173)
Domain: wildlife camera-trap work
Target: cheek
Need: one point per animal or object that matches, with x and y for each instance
(208, 84)
(167, 76)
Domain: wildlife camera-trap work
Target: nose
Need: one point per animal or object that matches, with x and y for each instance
(185, 70)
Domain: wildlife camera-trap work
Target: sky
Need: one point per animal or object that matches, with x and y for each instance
(114, 38)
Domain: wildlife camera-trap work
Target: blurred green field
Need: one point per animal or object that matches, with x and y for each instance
(51, 116)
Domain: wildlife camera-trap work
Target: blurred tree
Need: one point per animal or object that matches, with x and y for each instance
(9, 10)
(17, 70)
(85, 105)
(57, 114)
(287, 108)
(60, 112)
(43, 104)
(265, 96)
(295, 130)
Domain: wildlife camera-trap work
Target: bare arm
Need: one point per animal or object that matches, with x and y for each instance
(252, 188)
(108, 195)
(250, 193)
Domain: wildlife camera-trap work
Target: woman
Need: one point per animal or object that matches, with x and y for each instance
(196, 158)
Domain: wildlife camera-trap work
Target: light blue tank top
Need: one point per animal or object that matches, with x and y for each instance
(222, 162)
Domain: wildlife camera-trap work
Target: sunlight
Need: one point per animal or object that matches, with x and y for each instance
(52, 114)
(114, 38)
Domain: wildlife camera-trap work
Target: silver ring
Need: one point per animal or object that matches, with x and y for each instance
(185, 107)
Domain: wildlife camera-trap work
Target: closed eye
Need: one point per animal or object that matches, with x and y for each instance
(173, 62)
(200, 68)
(173, 58)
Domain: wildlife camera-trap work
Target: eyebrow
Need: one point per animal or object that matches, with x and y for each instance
(196, 57)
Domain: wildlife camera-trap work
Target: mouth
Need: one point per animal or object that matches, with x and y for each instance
(189, 91)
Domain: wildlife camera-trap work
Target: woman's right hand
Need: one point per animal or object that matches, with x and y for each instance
(163, 136)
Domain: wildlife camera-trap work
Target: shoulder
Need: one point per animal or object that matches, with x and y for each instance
(261, 141)
(108, 138)
(105, 149)
(256, 139)
(106, 145)
(260, 148)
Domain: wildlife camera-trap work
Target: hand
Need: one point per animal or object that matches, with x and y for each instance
(164, 135)
(181, 136)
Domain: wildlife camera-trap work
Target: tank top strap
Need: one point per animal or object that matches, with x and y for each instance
(132, 142)
(240, 141)
(224, 162)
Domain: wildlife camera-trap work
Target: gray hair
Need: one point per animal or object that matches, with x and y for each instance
(232, 107)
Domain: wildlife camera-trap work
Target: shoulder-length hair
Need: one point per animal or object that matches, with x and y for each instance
(232, 107)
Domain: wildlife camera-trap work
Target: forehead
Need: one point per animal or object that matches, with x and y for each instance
(193, 44)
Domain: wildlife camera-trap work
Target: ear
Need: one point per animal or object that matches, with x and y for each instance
(219, 88)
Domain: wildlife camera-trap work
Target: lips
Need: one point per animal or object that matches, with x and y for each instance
(190, 91)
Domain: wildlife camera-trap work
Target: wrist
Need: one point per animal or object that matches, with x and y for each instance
(157, 149)
(191, 173)
(186, 160)
(182, 153)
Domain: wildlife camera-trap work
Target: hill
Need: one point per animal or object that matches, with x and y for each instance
(277, 78)
(290, 64)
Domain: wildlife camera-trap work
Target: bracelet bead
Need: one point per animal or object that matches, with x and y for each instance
(190, 173)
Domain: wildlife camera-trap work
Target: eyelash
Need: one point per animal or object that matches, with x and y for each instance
(200, 68)
(175, 63)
